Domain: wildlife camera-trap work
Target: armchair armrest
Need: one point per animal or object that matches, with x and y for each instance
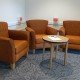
(32, 36)
(62, 31)
(29, 29)
(51, 31)
(7, 49)
(19, 35)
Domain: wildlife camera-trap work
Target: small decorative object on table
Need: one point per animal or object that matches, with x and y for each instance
(19, 21)
(55, 22)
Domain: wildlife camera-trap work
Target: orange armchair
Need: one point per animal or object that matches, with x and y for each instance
(38, 29)
(71, 29)
(13, 44)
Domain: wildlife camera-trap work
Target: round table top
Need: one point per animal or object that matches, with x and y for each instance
(55, 39)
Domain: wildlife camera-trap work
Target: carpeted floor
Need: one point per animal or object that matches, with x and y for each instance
(34, 68)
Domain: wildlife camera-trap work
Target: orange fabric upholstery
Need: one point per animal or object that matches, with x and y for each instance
(4, 29)
(13, 44)
(51, 31)
(39, 38)
(62, 31)
(20, 45)
(74, 46)
(38, 29)
(73, 39)
(71, 29)
(38, 26)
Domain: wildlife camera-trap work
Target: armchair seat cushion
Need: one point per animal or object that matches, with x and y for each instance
(20, 45)
(73, 39)
(39, 38)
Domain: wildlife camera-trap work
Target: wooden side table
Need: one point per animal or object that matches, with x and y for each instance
(55, 40)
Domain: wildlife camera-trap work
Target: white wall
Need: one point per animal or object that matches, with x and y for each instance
(11, 10)
(47, 9)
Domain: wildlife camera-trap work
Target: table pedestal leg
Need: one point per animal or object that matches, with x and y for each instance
(56, 50)
(65, 55)
(43, 50)
(52, 55)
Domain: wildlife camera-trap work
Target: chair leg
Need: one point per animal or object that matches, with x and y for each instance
(12, 65)
(33, 51)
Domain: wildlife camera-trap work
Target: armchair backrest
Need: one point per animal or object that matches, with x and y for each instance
(72, 27)
(4, 29)
(39, 26)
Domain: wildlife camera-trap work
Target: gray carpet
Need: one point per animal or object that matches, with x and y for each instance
(34, 68)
